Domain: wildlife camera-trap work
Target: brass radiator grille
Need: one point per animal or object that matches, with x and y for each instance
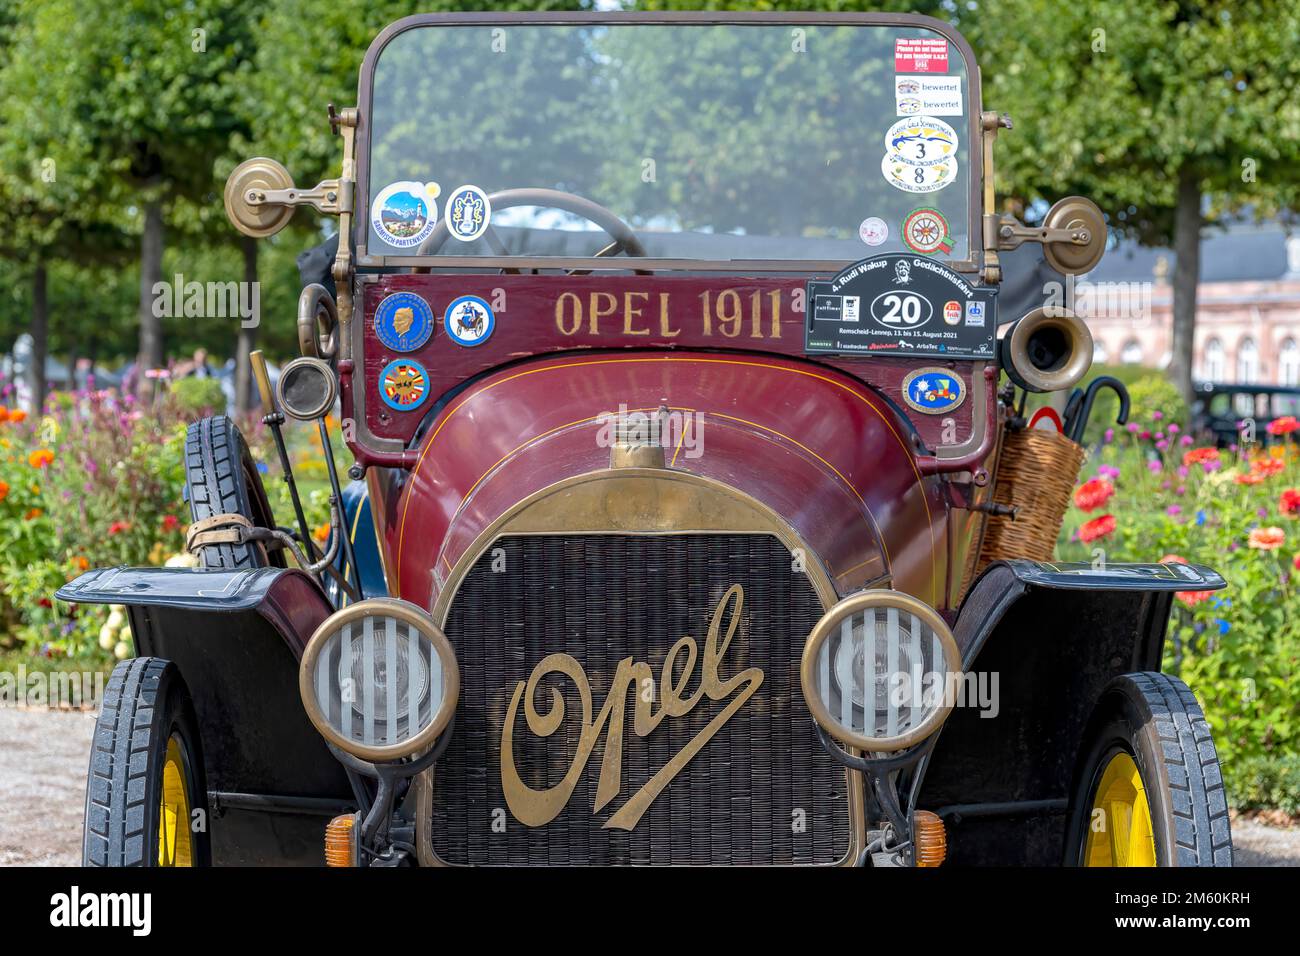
(760, 791)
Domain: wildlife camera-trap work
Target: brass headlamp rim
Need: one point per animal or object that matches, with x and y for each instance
(830, 624)
(411, 615)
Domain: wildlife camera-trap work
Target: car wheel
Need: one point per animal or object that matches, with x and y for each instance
(1148, 790)
(222, 479)
(146, 800)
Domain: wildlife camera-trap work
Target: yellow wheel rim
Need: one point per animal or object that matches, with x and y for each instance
(1119, 828)
(174, 842)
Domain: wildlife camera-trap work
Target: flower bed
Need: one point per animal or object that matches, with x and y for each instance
(1152, 493)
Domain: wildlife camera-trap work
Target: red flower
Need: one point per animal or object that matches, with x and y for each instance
(1199, 456)
(1093, 494)
(1289, 503)
(1250, 479)
(1266, 467)
(1096, 528)
(1283, 426)
(170, 522)
(118, 526)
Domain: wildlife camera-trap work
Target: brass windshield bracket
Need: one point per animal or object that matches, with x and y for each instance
(990, 123)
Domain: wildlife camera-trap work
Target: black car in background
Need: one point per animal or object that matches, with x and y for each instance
(1220, 410)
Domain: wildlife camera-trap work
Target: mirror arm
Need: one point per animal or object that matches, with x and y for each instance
(1012, 234)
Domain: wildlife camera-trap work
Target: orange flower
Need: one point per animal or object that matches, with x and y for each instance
(1283, 426)
(1190, 598)
(1267, 539)
(34, 513)
(17, 415)
(1266, 467)
(322, 533)
(1093, 494)
(40, 458)
(80, 563)
(1096, 528)
(4, 413)
(1250, 479)
(4, 490)
(1199, 456)
(1289, 503)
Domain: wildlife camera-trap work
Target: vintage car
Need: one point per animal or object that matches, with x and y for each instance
(691, 520)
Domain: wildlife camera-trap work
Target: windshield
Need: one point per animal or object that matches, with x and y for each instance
(709, 142)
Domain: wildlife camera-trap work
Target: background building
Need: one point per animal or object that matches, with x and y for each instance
(1248, 309)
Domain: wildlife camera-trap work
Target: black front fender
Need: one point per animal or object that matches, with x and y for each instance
(237, 637)
(1040, 641)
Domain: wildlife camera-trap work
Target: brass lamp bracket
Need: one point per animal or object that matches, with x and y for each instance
(332, 196)
(1011, 234)
(990, 123)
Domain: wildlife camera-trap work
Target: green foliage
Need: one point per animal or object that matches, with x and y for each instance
(1112, 99)
(1268, 783)
(196, 397)
(1152, 394)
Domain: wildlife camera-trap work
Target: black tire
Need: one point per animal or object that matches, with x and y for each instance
(146, 706)
(1156, 721)
(222, 479)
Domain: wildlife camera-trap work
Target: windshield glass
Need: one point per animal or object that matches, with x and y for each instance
(714, 142)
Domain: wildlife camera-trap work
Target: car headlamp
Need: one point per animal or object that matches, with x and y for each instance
(879, 670)
(379, 680)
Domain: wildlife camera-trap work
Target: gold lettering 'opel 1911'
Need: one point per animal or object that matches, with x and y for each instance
(695, 517)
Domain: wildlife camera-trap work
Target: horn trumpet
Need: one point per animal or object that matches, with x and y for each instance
(1047, 350)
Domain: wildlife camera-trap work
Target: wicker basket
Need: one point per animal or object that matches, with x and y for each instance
(1036, 473)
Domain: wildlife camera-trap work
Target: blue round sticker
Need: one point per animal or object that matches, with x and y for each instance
(933, 390)
(469, 320)
(403, 384)
(403, 322)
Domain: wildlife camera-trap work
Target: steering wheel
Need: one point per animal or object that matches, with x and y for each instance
(625, 240)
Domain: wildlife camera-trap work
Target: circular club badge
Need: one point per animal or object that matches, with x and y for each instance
(403, 322)
(404, 214)
(926, 231)
(933, 390)
(469, 321)
(468, 213)
(403, 384)
(873, 231)
(921, 141)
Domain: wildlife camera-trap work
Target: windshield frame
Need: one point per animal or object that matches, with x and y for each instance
(361, 227)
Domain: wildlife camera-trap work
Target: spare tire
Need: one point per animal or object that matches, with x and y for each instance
(221, 478)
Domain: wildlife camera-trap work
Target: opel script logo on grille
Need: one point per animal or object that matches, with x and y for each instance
(536, 808)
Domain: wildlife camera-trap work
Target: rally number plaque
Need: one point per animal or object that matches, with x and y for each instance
(900, 304)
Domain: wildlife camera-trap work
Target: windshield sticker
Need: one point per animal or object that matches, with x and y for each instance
(925, 230)
(920, 55)
(931, 95)
(468, 213)
(922, 141)
(933, 391)
(403, 384)
(469, 321)
(403, 322)
(404, 214)
(873, 231)
(920, 155)
(901, 304)
(918, 179)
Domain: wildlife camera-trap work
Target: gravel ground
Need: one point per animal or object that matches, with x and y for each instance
(43, 757)
(43, 760)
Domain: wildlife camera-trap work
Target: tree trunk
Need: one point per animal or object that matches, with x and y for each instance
(1187, 275)
(151, 327)
(40, 338)
(247, 341)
